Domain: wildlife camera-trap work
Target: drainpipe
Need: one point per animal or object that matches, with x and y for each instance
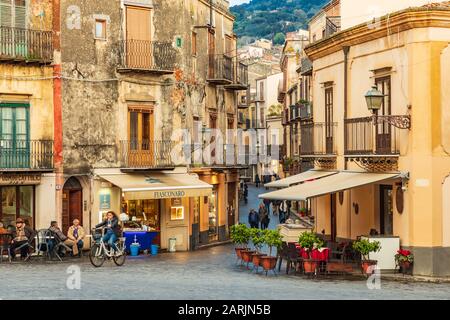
(346, 51)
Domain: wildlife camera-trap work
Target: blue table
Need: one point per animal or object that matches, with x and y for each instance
(144, 238)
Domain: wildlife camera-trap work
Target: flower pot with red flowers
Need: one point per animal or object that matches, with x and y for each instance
(365, 247)
(257, 237)
(404, 259)
(273, 239)
(240, 235)
(309, 241)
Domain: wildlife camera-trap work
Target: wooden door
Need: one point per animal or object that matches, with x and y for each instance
(138, 38)
(333, 218)
(72, 204)
(212, 55)
(384, 130)
(386, 210)
(329, 120)
(142, 149)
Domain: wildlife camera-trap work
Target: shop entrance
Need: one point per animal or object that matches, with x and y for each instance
(72, 203)
(386, 211)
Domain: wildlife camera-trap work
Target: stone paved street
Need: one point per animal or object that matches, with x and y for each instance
(206, 274)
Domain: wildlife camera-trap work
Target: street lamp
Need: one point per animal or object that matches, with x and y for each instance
(374, 100)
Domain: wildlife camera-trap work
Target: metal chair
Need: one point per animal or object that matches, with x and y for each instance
(5, 245)
(57, 245)
(43, 239)
(28, 245)
(294, 258)
(283, 254)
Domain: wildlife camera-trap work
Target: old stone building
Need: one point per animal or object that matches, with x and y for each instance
(134, 73)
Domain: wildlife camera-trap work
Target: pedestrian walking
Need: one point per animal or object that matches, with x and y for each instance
(276, 208)
(267, 203)
(263, 214)
(253, 218)
(245, 193)
(257, 181)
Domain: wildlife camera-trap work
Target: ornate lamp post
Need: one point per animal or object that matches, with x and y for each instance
(374, 100)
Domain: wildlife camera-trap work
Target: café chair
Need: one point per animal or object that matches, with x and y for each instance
(5, 245)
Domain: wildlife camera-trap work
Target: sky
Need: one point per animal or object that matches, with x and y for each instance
(235, 2)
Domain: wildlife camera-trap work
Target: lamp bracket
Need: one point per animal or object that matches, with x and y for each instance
(401, 122)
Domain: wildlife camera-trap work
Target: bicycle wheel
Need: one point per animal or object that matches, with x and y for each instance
(97, 256)
(120, 260)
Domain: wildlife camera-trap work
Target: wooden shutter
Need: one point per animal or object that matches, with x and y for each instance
(5, 13)
(20, 14)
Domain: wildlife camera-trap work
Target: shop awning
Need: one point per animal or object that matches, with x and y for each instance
(331, 184)
(158, 185)
(299, 178)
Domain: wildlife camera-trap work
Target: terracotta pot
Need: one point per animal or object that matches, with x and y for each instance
(365, 264)
(239, 252)
(247, 255)
(405, 266)
(309, 266)
(268, 263)
(256, 259)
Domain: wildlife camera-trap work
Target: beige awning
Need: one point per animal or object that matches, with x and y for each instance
(158, 185)
(299, 178)
(331, 184)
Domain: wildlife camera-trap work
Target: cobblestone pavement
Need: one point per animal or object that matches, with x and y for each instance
(204, 274)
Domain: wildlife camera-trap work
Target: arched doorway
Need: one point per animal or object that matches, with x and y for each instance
(72, 207)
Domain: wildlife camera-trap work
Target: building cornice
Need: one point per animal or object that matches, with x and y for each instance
(397, 22)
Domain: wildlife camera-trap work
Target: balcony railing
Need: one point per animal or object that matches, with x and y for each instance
(146, 154)
(306, 111)
(26, 154)
(365, 138)
(318, 139)
(220, 69)
(333, 25)
(26, 45)
(154, 56)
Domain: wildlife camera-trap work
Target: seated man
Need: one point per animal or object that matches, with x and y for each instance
(75, 234)
(21, 235)
(60, 237)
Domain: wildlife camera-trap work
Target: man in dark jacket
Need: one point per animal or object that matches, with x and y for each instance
(21, 235)
(253, 219)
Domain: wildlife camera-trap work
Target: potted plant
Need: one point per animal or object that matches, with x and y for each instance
(245, 237)
(309, 241)
(364, 247)
(258, 239)
(404, 259)
(240, 236)
(273, 239)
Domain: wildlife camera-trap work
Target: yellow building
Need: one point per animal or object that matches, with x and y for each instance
(390, 171)
(27, 180)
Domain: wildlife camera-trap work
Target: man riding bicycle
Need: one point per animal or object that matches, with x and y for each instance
(113, 230)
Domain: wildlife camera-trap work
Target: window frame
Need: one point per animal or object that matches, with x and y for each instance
(104, 28)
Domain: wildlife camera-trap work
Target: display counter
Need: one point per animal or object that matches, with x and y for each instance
(386, 256)
(144, 238)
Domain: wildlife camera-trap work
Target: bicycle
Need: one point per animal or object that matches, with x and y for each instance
(100, 251)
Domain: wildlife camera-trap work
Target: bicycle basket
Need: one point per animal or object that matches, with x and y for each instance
(97, 236)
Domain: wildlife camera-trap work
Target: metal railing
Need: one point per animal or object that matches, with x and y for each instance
(242, 74)
(147, 55)
(306, 111)
(363, 137)
(318, 139)
(220, 68)
(26, 44)
(146, 154)
(332, 26)
(26, 154)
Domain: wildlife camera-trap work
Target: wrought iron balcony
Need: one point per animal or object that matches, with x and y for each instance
(220, 69)
(17, 44)
(240, 77)
(332, 26)
(318, 139)
(139, 154)
(364, 137)
(306, 111)
(26, 155)
(147, 56)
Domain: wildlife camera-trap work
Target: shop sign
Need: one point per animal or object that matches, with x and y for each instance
(105, 201)
(169, 194)
(20, 179)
